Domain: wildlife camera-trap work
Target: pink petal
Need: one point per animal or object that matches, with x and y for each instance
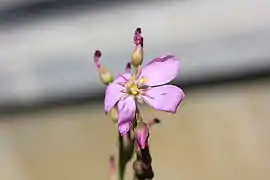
(161, 70)
(142, 135)
(164, 98)
(126, 114)
(113, 92)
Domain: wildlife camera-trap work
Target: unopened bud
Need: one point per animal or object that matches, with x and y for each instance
(104, 74)
(137, 55)
(142, 135)
(113, 115)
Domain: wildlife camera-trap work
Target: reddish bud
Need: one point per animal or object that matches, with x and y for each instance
(142, 135)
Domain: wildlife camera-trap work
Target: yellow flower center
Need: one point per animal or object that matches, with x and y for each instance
(133, 88)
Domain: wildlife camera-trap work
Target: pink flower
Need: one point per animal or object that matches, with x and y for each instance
(147, 86)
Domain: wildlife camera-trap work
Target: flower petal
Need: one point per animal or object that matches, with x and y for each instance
(124, 128)
(126, 114)
(161, 70)
(113, 92)
(164, 98)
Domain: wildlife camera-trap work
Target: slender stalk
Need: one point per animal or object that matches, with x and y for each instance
(121, 161)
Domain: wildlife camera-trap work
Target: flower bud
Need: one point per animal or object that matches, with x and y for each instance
(113, 115)
(137, 55)
(142, 135)
(104, 74)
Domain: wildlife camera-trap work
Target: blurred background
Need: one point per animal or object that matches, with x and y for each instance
(52, 124)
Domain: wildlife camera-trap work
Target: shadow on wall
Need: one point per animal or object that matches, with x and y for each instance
(219, 133)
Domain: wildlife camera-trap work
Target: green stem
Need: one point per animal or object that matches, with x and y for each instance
(121, 162)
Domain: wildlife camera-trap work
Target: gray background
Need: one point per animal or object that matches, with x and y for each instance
(50, 55)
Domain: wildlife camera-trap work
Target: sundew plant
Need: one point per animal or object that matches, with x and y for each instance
(138, 84)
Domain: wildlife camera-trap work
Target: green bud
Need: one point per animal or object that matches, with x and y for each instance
(113, 114)
(105, 76)
(137, 57)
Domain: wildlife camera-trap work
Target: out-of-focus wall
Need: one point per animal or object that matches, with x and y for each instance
(219, 133)
(51, 57)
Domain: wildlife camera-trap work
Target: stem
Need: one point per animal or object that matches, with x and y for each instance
(121, 162)
(136, 70)
(138, 117)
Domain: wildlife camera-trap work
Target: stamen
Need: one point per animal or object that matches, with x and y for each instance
(144, 94)
(123, 77)
(144, 89)
(123, 84)
(134, 92)
(124, 97)
(142, 81)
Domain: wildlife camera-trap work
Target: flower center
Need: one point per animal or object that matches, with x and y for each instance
(133, 87)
